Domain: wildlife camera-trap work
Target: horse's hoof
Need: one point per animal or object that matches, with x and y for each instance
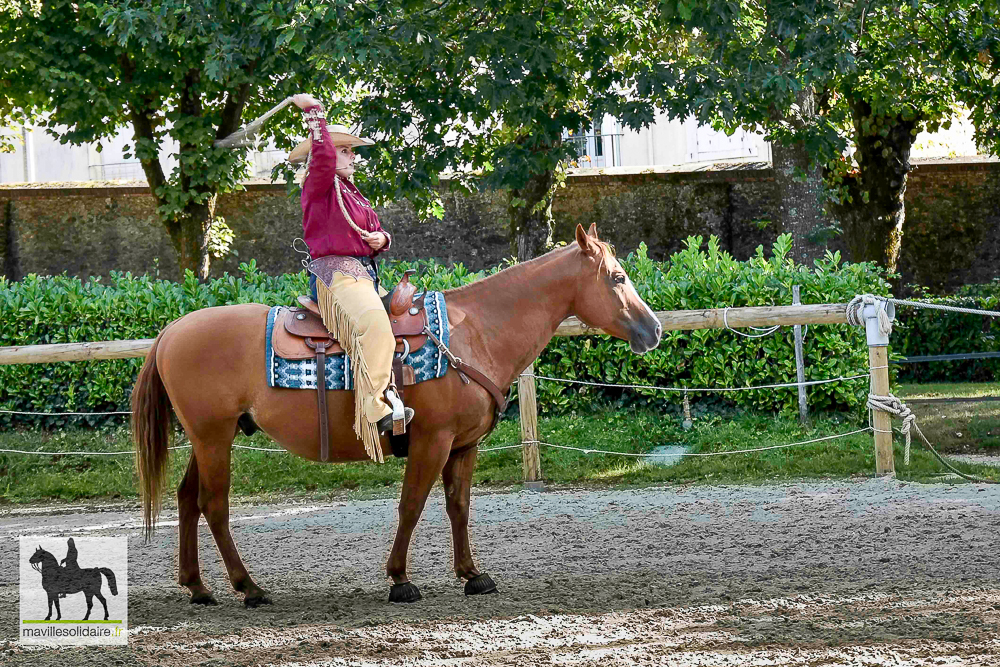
(404, 593)
(480, 585)
(206, 599)
(254, 601)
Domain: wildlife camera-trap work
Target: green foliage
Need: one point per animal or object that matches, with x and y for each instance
(176, 72)
(485, 88)
(255, 474)
(60, 309)
(923, 332)
(833, 79)
(697, 278)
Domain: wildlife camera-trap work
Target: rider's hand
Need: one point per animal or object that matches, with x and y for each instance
(304, 100)
(376, 240)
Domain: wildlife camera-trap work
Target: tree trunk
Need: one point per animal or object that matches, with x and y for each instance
(11, 267)
(873, 229)
(799, 189)
(530, 211)
(189, 235)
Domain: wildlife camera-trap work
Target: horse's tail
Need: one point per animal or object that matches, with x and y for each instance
(112, 584)
(151, 426)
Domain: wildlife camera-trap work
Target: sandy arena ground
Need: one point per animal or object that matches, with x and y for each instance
(838, 573)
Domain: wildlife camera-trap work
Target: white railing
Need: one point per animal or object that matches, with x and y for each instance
(597, 150)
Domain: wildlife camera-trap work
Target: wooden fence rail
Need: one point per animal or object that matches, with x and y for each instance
(676, 320)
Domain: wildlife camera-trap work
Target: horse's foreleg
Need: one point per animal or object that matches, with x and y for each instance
(189, 572)
(457, 477)
(425, 463)
(213, 457)
(90, 604)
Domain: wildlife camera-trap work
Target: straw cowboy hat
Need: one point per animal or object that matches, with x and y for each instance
(341, 136)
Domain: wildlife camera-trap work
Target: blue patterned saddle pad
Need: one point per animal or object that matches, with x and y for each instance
(428, 363)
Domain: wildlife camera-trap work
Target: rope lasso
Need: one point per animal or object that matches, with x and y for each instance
(365, 234)
(308, 256)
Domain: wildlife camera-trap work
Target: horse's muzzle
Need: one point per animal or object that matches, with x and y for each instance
(645, 336)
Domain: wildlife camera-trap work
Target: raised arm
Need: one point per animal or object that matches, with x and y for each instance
(323, 160)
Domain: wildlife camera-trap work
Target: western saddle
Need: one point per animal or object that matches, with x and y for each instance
(299, 333)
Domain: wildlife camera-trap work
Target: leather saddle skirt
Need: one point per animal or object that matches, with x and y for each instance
(293, 326)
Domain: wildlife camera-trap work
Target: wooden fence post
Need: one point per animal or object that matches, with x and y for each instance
(529, 429)
(877, 335)
(800, 366)
(878, 362)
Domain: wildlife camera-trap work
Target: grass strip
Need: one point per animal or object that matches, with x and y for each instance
(27, 478)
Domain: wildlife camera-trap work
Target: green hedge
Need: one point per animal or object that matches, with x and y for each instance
(698, 278)
(924, 332)
(62, 309)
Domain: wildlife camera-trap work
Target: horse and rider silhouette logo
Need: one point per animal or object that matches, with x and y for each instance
(66, 577)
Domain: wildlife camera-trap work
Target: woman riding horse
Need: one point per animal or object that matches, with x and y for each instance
(344, 236)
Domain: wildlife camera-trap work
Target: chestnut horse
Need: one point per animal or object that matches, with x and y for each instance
(209, 367)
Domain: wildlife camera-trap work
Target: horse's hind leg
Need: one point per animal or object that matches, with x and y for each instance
(188, 513)
(104, 603)
(213, 453)
(457, 478)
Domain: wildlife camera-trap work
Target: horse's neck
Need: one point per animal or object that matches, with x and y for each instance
(513, 315)
(49, 563)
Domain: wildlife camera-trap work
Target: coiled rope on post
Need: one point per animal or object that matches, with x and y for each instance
(855, 317)
(855, 312)
(898, 409)
(894, 406)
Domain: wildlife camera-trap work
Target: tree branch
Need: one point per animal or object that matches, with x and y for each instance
(144, 127)
(190, 105)
(232, 111)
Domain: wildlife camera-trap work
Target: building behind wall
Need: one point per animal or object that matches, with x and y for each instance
(40, 158)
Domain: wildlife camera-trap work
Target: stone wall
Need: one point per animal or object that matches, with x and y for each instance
(952, 229)
(952, 225)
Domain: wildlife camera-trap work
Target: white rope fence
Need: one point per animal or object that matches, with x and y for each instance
(888, 404)
(650, 455)
(686, 390)
(61, 414)
(939, 306)
(127, 452)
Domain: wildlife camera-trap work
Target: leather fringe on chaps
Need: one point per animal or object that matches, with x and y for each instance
(345, 329)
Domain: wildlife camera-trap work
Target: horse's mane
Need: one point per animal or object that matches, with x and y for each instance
(45, 554)
(520, 273)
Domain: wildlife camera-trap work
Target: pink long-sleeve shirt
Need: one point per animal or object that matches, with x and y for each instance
(325, 230)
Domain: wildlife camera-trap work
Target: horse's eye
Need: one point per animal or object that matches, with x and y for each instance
(619, 278)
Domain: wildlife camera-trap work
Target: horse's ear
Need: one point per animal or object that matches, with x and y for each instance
(592, 232)
(585, 242)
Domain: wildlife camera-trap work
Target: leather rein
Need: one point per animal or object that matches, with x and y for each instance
(465, 371)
